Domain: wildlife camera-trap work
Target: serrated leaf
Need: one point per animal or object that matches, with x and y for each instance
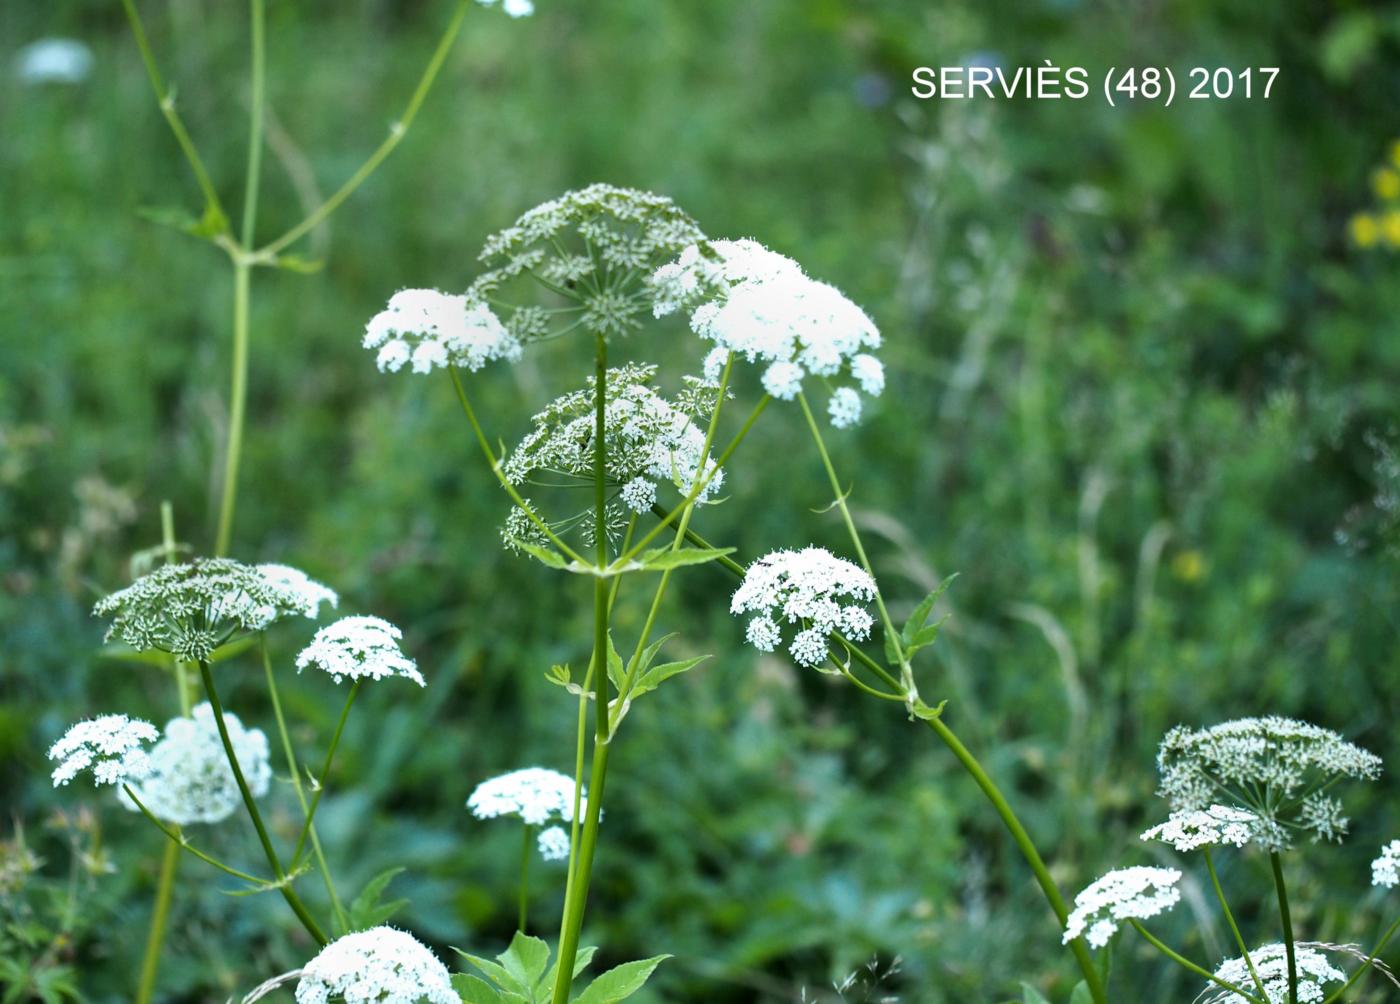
(581, 960)
(474, 990)
(920, 616)
(655, 676)
(663, 558)
(620, 982)
(923, 637)
(543, 554)
(366, 910)
(498, 974)
(525, 959)
(1030, 995)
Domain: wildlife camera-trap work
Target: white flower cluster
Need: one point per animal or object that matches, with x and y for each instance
(429, 329)
(811, 587)
(191, 609)
(554, 844)
(380, 966)
(190, 780)
(1289, 763)
(1215, 826)
(360, 648)
(535, 794)
(647, 441)
(110, 745)
(1385, 870)
(1271, 964)
(512, 8)
(759, 304)
(1124, 894)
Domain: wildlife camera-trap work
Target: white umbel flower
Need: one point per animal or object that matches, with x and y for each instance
(554, 844)
(428, 329)
(811, 587)
(1271, 964)
(1288, 763)
(755, 302)
(512, 8)
(360, 648)
(190, 780)
(1124, 894)
(1217, 825)
(380, 966)
(309, 593)
(110, 745)
(1385, 870)
(535, 794)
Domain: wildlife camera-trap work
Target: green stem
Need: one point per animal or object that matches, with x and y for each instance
(155, 937)
(1370, 961)
(1234, 928)
(238, 402)
(1186, 963)
(583, 868)
(178, 840)
(257, 100)
(1287, 918)
(524, 876)
(295, 770)
(288, 893)
(397, 131)
(308, 826)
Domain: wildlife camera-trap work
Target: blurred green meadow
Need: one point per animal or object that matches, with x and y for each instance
(1142, 399)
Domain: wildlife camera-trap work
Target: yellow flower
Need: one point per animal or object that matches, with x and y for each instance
(1390, 227)
(1386, 183)
(1365, 230)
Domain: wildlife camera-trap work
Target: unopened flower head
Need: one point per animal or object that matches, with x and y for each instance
(191, 609)
(426, 329)
(111, 746)
(760, 305)
(382, 965)
(812, 588)
(360, 648)
(1124, 894)
(649, 442)
(1385, 870)
(1271, 966)
(1215, 826)
(595, 247)
(535, 794)
(554, 844)
(1279, 768)
(190, 780)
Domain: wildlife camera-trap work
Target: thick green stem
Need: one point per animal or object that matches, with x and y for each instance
(256, 103)
(581, 869)
(155, 937)
(238, 403)
(1370, 961)
(1286, 917)
(397, 131)
(1234, 928)
(1186, 963)
(284, 887)
(524, 877)
(294, 768)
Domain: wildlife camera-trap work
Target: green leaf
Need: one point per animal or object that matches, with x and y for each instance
(210, 224)
(543, 554)
(1080, 994)
(662, 558)
(560, 676)
(367, 911)
(654, 677)
(498, 975)
(525, 959)
(298, 264)
(1030, 995)
(621, 982)
(920, 616)
(581, 960)
(474, 990)
(923, 711)
(923, 637)
(616, 672)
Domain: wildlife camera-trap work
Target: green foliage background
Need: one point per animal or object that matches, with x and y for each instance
(1142, 399)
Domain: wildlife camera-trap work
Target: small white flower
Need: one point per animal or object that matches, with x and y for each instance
(1271, 965)
(308, 593)
(380, 966)
(1217, 825)
(639, 495)
(535, 794)
(869, 373)
(804, 587)
(110, 745)
(844, 408)
(783, 380)
(1385, 870)
(190, 780)
(359, 647)
(1124, 894)
(554, 844)
(54, 61)
(713, 366)
(432, 329)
